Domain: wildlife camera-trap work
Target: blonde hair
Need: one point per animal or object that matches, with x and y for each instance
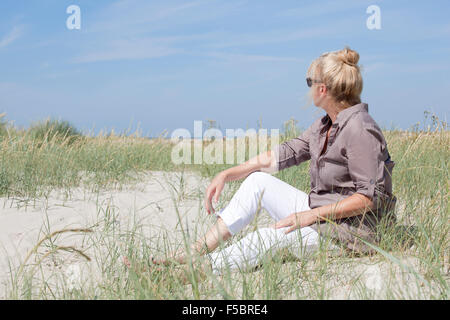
(340, 72)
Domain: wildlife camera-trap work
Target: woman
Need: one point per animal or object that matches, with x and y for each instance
(350, 171)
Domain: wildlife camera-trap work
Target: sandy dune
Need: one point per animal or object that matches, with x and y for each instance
(150, 204)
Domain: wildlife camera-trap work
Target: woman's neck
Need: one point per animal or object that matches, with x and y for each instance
(332, 109)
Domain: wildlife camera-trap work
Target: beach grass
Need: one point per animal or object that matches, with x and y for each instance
(412, 260)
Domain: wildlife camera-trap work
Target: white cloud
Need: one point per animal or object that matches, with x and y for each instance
(232, 57)
(128, 50)
(275, 36)
(133, 22)
(127, 17)
(15, 33)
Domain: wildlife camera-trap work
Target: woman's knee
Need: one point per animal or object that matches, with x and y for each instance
(257, 179)
(259, 175)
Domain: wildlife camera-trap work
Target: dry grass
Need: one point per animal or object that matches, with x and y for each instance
(412, 260)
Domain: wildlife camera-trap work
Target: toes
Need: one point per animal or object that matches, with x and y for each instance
(126, 261)
(158, 261)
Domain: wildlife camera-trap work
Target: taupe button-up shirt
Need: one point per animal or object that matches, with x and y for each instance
(356, 160)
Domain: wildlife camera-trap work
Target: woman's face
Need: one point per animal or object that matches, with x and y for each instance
(318, 93)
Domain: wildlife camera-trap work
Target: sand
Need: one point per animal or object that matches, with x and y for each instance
(152, 204)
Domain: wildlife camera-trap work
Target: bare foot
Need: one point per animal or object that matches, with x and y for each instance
(137, 268)
(164, 262)
(126, 262)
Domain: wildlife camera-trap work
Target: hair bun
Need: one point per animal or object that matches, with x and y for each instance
(348, 56)
(344, 84)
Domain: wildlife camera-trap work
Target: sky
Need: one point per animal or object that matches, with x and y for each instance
(156, 66)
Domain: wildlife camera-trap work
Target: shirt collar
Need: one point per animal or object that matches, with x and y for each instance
(345, 114)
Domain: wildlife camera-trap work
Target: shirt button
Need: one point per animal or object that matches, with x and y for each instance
(371, 181)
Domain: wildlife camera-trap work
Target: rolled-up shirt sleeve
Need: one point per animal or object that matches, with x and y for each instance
(294, 151)
(365, 148)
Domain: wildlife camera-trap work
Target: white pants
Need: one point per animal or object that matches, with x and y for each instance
(262, 190)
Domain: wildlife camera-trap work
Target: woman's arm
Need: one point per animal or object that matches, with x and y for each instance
(354, 205)
(265, 161)
(285, 155)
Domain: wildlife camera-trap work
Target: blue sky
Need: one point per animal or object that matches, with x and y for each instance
(160, 65)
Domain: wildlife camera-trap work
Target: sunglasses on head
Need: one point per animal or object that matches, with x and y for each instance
(310, 81)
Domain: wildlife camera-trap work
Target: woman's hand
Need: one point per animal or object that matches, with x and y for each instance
(296, 220)
(214, 189)
(265, 161)
(353, 205)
